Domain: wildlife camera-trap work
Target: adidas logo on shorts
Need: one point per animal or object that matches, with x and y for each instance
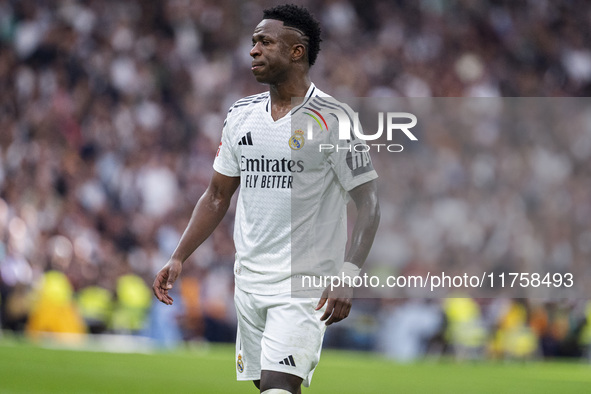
(288, 361)
(246, 139)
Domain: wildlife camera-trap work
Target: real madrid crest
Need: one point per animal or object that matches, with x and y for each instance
(240, 364)
(296, 141)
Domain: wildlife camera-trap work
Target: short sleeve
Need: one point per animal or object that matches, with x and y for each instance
(225, 161)
(352, 164)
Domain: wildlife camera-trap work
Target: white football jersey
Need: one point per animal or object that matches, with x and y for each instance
(291, 210)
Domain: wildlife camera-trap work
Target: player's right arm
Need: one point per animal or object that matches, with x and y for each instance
(208, 213)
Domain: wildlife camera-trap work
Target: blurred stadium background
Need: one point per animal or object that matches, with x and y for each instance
(111, 112)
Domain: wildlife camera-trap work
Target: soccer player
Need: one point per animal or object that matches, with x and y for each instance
(287, 188)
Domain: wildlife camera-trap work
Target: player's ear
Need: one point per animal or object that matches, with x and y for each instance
(298, 51)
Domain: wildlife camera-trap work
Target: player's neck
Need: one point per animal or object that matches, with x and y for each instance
(282, 93)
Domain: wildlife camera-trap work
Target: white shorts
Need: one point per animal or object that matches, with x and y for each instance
(277, 333)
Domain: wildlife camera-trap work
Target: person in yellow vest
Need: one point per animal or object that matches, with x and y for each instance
(96, 307)
(54, 310)
(585, 337)
(465, 331)
(133, 302)
(514, 337)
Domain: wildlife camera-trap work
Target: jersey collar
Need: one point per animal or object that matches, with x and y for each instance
(311, 91)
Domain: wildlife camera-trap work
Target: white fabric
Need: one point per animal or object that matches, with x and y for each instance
(350, 270)
(275, 332)
(291, 210)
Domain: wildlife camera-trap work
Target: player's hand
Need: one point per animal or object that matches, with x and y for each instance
(338, 302)
(165, 280)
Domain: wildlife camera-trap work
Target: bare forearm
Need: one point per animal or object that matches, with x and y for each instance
(338, 301)
(208, 213)
(366, 225)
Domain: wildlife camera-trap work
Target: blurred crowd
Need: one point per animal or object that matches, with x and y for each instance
(111, 112)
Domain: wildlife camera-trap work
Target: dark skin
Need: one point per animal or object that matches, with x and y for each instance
(208, 213)
(279, 60)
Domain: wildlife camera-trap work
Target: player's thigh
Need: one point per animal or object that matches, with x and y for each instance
(279, 380)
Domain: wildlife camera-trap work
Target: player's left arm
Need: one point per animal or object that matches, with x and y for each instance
(338, 301)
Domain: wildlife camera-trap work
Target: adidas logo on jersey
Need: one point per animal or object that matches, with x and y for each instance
(246, 139)
(288, 361)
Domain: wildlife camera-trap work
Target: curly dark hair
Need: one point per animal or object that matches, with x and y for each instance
(300, 18)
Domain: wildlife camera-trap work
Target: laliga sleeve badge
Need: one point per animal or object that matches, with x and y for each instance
(240, 364)
(296, 141)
